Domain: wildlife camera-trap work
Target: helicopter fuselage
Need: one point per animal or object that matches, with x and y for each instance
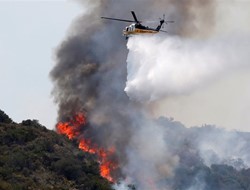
(135, 28)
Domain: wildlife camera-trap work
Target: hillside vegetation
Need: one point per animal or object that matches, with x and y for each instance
(33, 157)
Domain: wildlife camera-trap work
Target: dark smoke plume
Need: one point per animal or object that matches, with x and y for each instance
(90, 75)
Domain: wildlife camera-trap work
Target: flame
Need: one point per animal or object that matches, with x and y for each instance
(106, 165)
(72, 130)
(85, 145)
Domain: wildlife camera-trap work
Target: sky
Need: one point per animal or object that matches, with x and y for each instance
(30, 33)
(32, 30)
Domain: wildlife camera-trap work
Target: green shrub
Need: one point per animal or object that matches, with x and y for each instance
(4, 118)
(68, 167)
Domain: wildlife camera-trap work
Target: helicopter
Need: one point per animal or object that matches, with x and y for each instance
(137, 28)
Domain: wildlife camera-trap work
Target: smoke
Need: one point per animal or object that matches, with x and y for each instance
(198, 182)
(160, 66)
(90, 77)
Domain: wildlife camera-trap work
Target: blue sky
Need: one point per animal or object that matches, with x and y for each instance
(30, 33)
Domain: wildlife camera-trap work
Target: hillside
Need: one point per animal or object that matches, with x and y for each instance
(210, 158)
(33, 157)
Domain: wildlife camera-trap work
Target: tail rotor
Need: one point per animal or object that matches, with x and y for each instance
(164, 21)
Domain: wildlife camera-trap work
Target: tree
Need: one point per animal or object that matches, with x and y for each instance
(4, 118)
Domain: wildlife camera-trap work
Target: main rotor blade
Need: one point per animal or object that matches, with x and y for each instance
(133, 13)
(117, 19)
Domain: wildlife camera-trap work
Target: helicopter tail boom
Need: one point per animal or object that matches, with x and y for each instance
(162, 21)
(160, 25)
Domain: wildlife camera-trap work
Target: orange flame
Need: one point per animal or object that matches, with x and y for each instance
(106, 166)
(71, 130)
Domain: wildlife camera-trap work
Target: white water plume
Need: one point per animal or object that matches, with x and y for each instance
(160, 66)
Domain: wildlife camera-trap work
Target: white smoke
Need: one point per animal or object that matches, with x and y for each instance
(149, 158)
(215, 147)
(121, 186)
(161, 66)
(221, 95)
